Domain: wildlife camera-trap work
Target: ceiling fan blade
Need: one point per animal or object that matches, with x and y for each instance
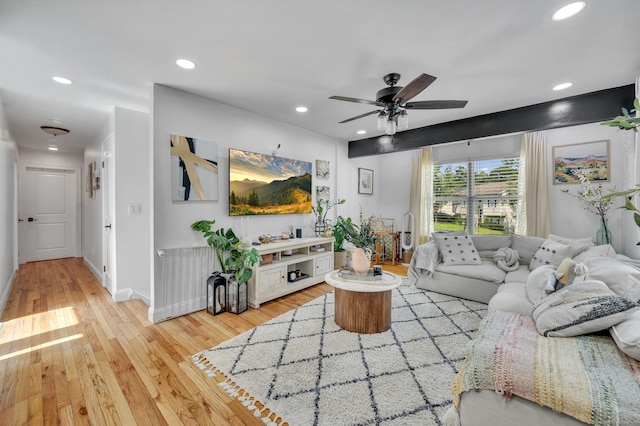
(435, 104)
(416, 86)
(356, 100)
(359, 116)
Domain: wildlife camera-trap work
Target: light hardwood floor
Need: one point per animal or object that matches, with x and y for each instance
(70, 355)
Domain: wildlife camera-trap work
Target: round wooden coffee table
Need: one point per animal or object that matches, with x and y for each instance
(363, 306)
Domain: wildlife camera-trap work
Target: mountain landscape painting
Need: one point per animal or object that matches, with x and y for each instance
(590, 159)
(265, 184)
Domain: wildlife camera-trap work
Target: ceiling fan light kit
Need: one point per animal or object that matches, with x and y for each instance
(395, 101)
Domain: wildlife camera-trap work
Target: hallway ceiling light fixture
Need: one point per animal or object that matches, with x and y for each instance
(55, 131)
(186, 64)
(361, 132)
(302, 109)
(61, 80)
(568, 11)
(53, 148)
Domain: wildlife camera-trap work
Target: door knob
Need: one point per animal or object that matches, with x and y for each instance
(31, 219)
(20, 220)
(108, 226)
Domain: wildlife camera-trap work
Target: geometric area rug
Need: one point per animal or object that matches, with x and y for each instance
(301, 369)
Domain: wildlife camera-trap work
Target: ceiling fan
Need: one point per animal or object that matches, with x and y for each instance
(394, 101)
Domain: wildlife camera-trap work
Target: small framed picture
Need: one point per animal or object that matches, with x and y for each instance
(365, 181)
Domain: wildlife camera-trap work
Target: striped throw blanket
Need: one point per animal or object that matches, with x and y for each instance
(586, 377)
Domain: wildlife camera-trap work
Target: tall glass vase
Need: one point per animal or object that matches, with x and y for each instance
(603, 234)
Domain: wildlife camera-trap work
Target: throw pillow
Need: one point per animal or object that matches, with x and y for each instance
(577, 245)
(622, 278)
(581, 308)
(538, 280)
(457, 250)
(550, 253)
(605, 250)
(626, 334)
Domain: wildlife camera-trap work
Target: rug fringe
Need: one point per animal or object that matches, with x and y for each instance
(265, 414)
(451, 417)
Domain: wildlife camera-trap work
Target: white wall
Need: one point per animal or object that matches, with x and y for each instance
(177, 112)
(53, 159)
(92, 230)
(132, 160)
(8, 213)
(568, 218)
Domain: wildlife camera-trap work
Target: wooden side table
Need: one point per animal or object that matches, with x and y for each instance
(363, 306)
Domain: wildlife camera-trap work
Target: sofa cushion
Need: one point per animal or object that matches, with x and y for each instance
(605, 250)
(577, 245)
(526, 246)
(627, 335)
(491, 242)
(486, 270)
(623, 279)
(457, 250)
(550, 253)
(511, 297)
(581, 308)
(518, 276)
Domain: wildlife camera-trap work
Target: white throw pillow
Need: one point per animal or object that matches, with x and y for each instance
(581, 308)
(537, 280)
(457, 250)
(623, 279)
(577, 245)
(605, 250)
(550, 253)
(627, 335)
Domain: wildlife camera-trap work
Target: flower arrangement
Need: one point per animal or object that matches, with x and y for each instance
(594, 200)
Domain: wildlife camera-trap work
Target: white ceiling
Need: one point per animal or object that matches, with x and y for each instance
(269, 56)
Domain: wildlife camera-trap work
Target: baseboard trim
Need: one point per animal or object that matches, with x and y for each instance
(7, 290)
(122, 295)
(177, 309)
(97, 272)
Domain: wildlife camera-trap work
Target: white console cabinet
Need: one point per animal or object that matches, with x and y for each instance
(312, 256)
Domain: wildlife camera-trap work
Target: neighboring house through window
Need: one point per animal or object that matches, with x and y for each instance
(479, 197)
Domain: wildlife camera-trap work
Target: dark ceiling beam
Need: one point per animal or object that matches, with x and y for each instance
(582, 109)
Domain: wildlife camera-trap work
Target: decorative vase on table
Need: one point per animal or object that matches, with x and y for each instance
(603, 234)
(360, 261)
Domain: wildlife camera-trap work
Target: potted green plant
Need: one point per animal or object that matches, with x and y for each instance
(364, 239)
(339, 253)
(321, 209)
(235, 262)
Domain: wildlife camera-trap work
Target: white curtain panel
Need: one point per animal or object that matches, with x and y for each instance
(536, 184)
(421, 202)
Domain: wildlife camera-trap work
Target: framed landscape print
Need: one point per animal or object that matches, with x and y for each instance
(589, 158)
(365, 181)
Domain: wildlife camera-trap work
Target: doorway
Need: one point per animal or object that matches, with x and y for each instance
(48, 218)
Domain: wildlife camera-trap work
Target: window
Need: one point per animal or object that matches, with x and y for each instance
(480, 197)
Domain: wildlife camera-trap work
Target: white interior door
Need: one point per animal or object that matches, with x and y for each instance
(108, 208)
(50, 216)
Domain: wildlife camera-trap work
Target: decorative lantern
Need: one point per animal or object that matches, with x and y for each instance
(237, 296)
(216, 294)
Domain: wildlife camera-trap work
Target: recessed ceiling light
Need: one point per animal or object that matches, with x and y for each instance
(361, 132)
(186, 64)
(562, 86)
(61, 80)
(53, 148)
(568, 11)
(302, 109)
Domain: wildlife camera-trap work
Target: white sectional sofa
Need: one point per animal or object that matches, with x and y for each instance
(607, 365)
